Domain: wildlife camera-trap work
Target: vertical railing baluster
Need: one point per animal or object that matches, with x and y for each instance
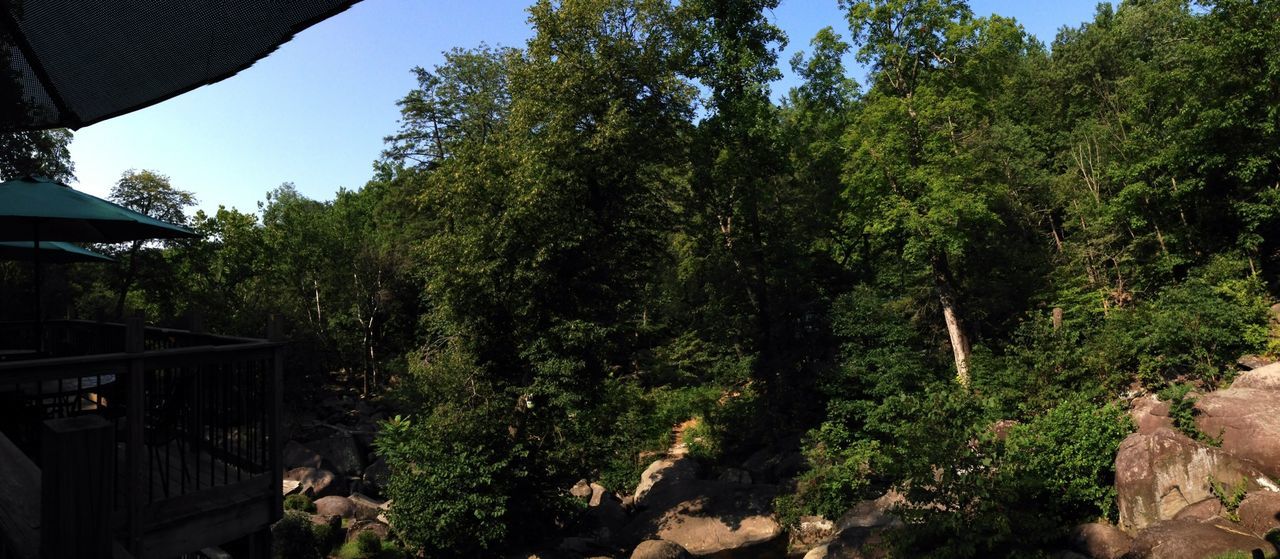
(274, 404)
(134, 408)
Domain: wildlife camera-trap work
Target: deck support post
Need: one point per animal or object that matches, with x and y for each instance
(275, 407)
(77, 487)
(136, 492)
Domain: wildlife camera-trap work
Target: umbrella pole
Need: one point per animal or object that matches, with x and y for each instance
(39, 319)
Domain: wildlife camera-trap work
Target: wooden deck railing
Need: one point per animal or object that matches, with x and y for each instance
(194, 418)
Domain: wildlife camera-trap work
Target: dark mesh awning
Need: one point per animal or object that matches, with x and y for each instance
(76, 62)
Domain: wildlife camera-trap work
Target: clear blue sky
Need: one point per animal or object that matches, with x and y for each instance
(314, 113)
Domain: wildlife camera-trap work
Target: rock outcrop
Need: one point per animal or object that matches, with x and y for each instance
(1262, 378)
(334, 505)
(1259, 513)
(1248, 422)
(1101, 541)
(659, 549)
(317, 484)
(1160, 473)
(717, 519)
(1186, 539)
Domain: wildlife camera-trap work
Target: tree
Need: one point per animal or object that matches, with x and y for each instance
(928, 161)
(148, 193)
(41, 153)
(465, 99)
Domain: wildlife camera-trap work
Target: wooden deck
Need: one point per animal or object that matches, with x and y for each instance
(190, 425)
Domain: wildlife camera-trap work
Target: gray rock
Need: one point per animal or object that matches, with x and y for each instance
(605, 517)
(713, 519)
(317, 483)
(852, 543)
(334, 505)
(1149, 414)
(581, 490)
(1248, 422)
(367, 508)
(376, 477)
(1184, 539)
(354, 530)
(665, 477)
(1261, 378)
(1101, 541)
(1161, 473)
(297, 455)
(659, 549)
(1260, 512)
(1207, 509)
(341, 451)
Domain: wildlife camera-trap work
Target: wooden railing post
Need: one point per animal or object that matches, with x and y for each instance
(197, 322)
(275, 399)
(136, 491)
(76, 487)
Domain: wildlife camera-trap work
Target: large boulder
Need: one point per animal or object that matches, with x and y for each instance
(317, 484)
(1262, 378)
(1162, 472)
(852, 543)
(1149, 414)
(858, 531)
(581, 490)
(334, 505)
(1185, 539)
(1248, 422)
(367, 508)
(1207, 509)
(605, 516)
(376, 477)
(714, 519)
(1260, 512)
(342, 451)
(810, 532)
(1101, 541)
(665, 478)
(659, 549)
(297, 455)
(378, 528)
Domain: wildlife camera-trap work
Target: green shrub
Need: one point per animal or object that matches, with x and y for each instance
(1230, 496)
(326, 536)
(838, 477)
(1182, 413)
(369, 544)
(1196, 329)
(299, 502)
(452, 478)
(292, 537)
(1067, 456)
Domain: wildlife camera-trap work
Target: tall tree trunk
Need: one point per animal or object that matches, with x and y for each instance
(952, 316)
(127, 281)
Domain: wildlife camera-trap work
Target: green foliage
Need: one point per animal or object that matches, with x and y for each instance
(368, 543)
(1230, 496)
(989, 498)
(299, 502)
(1182, 412)
(1067, 455)
(839, 476)
(570, 248)
(292, 537)
(452, 480)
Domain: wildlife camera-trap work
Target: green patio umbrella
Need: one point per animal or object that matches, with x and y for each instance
(40, 210)
(51, 251)
(73, 63)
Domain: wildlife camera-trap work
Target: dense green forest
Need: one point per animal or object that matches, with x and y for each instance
(571, 246)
